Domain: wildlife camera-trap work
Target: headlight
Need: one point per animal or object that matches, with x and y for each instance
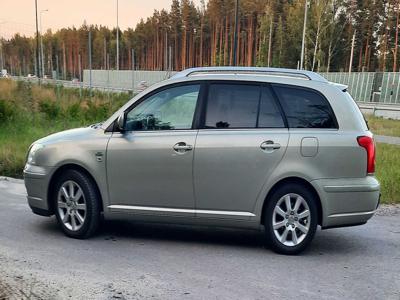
(32, 152)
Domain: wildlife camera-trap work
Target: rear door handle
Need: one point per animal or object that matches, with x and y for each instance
(182, 147)
(270, 145)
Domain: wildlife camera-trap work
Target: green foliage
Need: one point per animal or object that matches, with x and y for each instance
(6, 111)
(23, 93)
(50, 108)
(383, 126)
(388, 172)
(96, 111)
(73, 111)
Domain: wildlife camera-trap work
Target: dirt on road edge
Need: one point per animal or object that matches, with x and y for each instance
(18, 287)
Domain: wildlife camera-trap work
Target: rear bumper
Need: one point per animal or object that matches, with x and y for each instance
(36, 182)
(347, 201)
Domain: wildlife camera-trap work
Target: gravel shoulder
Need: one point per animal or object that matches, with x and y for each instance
(127, 260)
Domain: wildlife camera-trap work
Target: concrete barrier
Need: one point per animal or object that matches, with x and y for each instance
(381, 110)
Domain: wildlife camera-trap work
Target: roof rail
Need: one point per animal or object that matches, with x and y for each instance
(302, 74)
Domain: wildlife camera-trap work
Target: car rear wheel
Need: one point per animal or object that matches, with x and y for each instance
(291, 219)
(77, 204)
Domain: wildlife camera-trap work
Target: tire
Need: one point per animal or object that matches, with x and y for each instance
(77, 212)
(290, 231)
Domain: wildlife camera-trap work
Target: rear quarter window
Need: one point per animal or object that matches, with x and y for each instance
(358, 113)
(305, 108)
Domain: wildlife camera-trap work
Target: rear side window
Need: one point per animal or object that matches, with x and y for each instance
(242, 106)
(305, 108)
(270, 115)
(232, 106)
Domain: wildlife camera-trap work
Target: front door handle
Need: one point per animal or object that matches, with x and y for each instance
(182, 147)
(270, 146)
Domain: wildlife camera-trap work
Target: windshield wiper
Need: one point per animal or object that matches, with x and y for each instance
(96, 125)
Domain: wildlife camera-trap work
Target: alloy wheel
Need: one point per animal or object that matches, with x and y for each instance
(291, 219)
(71, 205)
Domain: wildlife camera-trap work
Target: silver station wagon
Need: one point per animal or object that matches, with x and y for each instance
(279, 149)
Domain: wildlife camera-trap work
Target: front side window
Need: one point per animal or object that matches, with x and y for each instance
(169, 109)
(305, 108)
(232, 106)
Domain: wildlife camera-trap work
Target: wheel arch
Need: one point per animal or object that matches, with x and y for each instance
(291, 180)
(59, 171)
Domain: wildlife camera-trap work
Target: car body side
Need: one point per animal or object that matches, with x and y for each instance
(336, 172)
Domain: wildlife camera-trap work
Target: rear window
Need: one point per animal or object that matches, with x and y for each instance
(305, 108)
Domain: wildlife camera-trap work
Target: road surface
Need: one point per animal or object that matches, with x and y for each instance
(137, 261)
(393, 140)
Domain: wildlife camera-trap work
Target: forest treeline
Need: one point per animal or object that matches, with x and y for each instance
(186, 35)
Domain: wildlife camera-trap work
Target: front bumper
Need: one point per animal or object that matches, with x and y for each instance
(36, 182)
(347, 201)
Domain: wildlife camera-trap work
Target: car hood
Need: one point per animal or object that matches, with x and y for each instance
(69, 135)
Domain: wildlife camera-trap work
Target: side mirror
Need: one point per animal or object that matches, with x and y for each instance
(121, 123)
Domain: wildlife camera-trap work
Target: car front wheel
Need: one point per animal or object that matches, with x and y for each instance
(76, 204)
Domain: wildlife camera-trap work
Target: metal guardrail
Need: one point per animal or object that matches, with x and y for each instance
(72, 84)
(124, 79)
(108, 80)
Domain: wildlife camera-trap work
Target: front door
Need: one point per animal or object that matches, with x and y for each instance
(149, 166)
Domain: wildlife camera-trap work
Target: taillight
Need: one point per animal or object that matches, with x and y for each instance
(368, 144)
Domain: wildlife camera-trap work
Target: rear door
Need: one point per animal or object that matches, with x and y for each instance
(241, 141)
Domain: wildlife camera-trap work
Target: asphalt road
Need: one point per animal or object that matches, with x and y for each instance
(394, 140)
(138, 261)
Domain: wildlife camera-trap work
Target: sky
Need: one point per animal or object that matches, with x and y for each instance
(19, 15)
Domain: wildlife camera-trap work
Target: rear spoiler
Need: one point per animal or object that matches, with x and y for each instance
(342, 87)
